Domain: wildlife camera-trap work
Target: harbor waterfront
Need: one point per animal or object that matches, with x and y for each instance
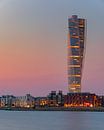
(53, 102)
(14, 120)
(79, 109)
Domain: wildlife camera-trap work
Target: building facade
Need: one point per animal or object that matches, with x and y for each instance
(76, 48)
(7, 101)
(82, 100)
(26, 101)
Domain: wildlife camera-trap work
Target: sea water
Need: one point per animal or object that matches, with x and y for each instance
(51, 120)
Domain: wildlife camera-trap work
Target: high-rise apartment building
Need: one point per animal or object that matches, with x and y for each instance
(76, 48)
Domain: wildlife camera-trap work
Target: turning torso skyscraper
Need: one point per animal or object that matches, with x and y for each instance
(76, 48)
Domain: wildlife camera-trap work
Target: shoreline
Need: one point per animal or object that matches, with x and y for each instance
(79, 109)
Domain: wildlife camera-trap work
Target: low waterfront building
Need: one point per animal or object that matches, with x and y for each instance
(52, 99)
(26, 101)
(55, 99)
(101, 99)
(81, 100)
(60, 98)
(7, 101)
(41, 102)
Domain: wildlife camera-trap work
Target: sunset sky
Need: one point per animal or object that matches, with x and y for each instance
(33, 45)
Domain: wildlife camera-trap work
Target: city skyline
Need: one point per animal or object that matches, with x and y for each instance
(33, 49)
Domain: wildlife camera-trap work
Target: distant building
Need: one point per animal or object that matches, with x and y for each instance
(101, 99)
(81, 100)
(26, 101)
(60, 98)
(55, 99)
(52, 99)
(41, 102)
(7, 101)
(76, 49)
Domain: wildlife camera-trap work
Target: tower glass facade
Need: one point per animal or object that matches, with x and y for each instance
(76, 48)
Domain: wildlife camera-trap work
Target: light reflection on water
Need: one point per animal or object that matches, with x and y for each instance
(11, 120)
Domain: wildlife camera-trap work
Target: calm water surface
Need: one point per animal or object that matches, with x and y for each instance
(11, 120)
